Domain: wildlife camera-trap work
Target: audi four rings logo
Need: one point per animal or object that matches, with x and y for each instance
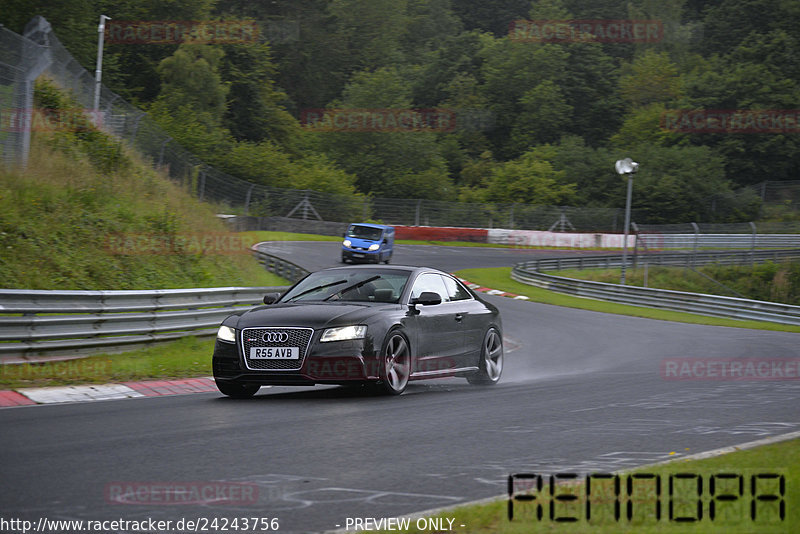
(275, 337)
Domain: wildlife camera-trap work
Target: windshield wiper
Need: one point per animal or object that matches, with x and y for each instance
(354, 286)
(317, 288)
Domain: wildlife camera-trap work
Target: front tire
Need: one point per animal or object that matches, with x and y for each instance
(396, 366)
(491, 365)
(236, 390)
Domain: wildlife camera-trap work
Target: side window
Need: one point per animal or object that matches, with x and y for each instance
(429, 282)
(455, 291)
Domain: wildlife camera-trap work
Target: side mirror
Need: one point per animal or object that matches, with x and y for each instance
(427, 298)
(271, 298)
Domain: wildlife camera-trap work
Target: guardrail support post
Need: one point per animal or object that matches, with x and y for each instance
(696, 239)
(753, 245)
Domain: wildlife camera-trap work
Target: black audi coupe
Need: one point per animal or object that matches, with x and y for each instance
(379, 327)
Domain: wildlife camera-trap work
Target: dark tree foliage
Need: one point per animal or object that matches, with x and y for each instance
(493, 17)
(529, 113)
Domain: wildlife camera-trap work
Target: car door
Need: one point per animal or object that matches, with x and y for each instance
(440, 339)
(474, 320)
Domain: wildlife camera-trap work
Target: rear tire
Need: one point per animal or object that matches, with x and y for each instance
(491, 365)
(237, 390)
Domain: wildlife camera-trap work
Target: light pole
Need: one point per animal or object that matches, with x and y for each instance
(626, 167)
(98, 72)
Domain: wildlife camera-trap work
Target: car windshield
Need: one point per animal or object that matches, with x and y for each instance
(364, 232)
(356, 285)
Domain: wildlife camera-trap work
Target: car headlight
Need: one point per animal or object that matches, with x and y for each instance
(344, 333)
(374, 246)
(347, 243)
(226, 333)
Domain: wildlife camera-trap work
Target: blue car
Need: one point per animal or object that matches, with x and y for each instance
(369, 243)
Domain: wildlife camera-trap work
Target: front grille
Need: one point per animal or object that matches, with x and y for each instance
(295, 337)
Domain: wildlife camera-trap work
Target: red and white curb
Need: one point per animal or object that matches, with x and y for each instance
(126, 390)
(488, 291)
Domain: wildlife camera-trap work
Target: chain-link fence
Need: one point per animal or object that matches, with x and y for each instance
(21, 61)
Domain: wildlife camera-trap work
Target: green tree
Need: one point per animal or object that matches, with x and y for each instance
(254, 108)
(529, 179)
(380, 160)
(544, 116)
(650, 78)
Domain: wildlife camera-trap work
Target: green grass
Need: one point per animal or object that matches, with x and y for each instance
(264, 235)
(782, 458)
(184, 358)
(500, 278)
(87, 211)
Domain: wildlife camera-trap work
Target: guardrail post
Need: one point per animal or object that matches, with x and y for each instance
(753, 245)
(696, 239)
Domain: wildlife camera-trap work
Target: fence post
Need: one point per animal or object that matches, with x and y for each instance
(34, 57)
(696, 239)
(247, 199)
(161, 151)
(753, 245)
(416, 215)
(202, 185)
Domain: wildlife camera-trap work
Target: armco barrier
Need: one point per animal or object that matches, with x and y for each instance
(283, 268)
(34, 323)
(718, 306)
(82, 322)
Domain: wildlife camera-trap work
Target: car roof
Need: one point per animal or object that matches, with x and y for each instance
(385, 268)
(372, 225)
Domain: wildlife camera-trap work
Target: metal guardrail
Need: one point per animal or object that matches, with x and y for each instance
(684, 259)
(39, 322)
(36, 322)
(718, 306)
(283, 268)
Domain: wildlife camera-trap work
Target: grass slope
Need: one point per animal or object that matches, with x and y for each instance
(59, 219)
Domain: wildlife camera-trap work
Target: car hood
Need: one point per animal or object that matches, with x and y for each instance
(363, 243)
(314, 315)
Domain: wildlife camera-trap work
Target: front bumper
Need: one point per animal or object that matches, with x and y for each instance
(336, 362)
(361, 255)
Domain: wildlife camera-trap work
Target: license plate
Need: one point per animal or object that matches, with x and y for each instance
(356, 255)
(274, 353)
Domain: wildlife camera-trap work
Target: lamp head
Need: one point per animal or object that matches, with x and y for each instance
(626, 166)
